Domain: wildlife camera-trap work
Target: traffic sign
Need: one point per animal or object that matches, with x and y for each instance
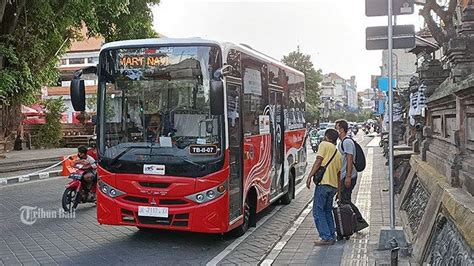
(374, 8)
(377, 37)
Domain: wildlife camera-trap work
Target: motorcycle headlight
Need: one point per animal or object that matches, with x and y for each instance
(109, 190)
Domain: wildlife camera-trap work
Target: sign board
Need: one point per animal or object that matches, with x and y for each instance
(376, 38)
(252, 81)
(374, 8)
(264, 124)
(383, 83)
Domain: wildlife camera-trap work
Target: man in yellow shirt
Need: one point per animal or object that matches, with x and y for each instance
(329, 157)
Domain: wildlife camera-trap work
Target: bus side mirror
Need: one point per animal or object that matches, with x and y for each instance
(217, 97)
(78, 94)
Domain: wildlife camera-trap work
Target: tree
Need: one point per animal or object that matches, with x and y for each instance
(49, 133)
(313, 77)
(445, 10)
(34, 35)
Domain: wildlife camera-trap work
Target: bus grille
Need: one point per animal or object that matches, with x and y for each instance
(155, 220)
(154, 184)
(180, 220)
(172, 202)
(136, 199)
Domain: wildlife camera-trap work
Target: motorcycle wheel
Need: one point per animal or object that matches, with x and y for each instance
(70, 199)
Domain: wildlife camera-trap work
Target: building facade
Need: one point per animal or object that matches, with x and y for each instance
(403, 66)
(80, 55)
(338, 94)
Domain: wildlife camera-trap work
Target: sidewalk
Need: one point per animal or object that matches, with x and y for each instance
(26, 165)
(31, 155)
(371, 197)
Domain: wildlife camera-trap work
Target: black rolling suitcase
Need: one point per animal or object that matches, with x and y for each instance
(346, 221)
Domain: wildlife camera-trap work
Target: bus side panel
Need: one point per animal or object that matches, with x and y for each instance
(295, 152)
(257, 164)
(295, 126)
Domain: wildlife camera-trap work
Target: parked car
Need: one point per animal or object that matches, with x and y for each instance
(320, 135)
(323, 126)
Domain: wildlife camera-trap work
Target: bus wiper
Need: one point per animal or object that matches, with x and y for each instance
(201, 166)
(116, 158)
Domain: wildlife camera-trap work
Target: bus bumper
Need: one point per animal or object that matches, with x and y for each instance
(210, 217)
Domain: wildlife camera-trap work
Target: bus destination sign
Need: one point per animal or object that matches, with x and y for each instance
(141, 61)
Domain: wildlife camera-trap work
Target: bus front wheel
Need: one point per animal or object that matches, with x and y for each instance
(249, 216)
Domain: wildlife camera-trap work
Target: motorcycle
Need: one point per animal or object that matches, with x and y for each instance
(355, 130)
(367, 131)
(76, 191)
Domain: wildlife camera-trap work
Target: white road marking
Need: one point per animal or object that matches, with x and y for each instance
(284, 240)
(374, 142)
(30, 182)
(239, 240)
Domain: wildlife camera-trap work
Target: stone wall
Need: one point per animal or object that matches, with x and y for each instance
(438, 219)
(449, 139)
(436, 203)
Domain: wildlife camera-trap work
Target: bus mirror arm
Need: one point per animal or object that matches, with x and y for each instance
(222, 72)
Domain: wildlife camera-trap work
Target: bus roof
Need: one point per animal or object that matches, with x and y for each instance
(226, 46)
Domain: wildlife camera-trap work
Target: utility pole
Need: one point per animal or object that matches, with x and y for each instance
(382, 38)
(390, 114)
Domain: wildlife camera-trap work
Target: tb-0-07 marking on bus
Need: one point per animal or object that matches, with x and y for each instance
(203, 149)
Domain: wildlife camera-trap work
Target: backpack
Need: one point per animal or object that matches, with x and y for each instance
(359, 156)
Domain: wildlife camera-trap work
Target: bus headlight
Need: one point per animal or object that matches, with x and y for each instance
(109, 190)
(199, 198)
(207, 195)
(211, 194)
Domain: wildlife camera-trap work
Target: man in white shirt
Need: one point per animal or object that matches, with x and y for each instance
(88, 164)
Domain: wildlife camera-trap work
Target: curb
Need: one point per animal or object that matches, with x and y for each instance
(31, 177)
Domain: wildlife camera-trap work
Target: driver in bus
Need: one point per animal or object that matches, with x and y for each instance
(154, 128)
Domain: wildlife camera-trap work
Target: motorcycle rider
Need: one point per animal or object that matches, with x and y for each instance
(89, 165)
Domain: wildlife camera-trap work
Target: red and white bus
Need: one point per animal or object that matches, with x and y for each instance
(194, 135)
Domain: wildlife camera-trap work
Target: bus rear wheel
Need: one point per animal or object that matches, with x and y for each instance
(286, 199)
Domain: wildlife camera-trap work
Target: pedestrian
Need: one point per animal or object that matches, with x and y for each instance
(348, 178)
(329, 158)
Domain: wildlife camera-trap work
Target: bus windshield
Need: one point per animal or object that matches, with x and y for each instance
(155, 107)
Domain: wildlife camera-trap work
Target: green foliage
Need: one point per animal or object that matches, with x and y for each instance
(49, 134)
(34, 35)
(91, 104)
(313, 77)
(349, 116)
(312, 113)
(364, 115)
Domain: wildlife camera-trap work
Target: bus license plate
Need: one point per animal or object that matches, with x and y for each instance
(160, 212)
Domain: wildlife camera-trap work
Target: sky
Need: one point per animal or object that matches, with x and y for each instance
(331, 31)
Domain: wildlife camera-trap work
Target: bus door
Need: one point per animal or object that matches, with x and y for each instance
(276, 131)
(235, 147)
